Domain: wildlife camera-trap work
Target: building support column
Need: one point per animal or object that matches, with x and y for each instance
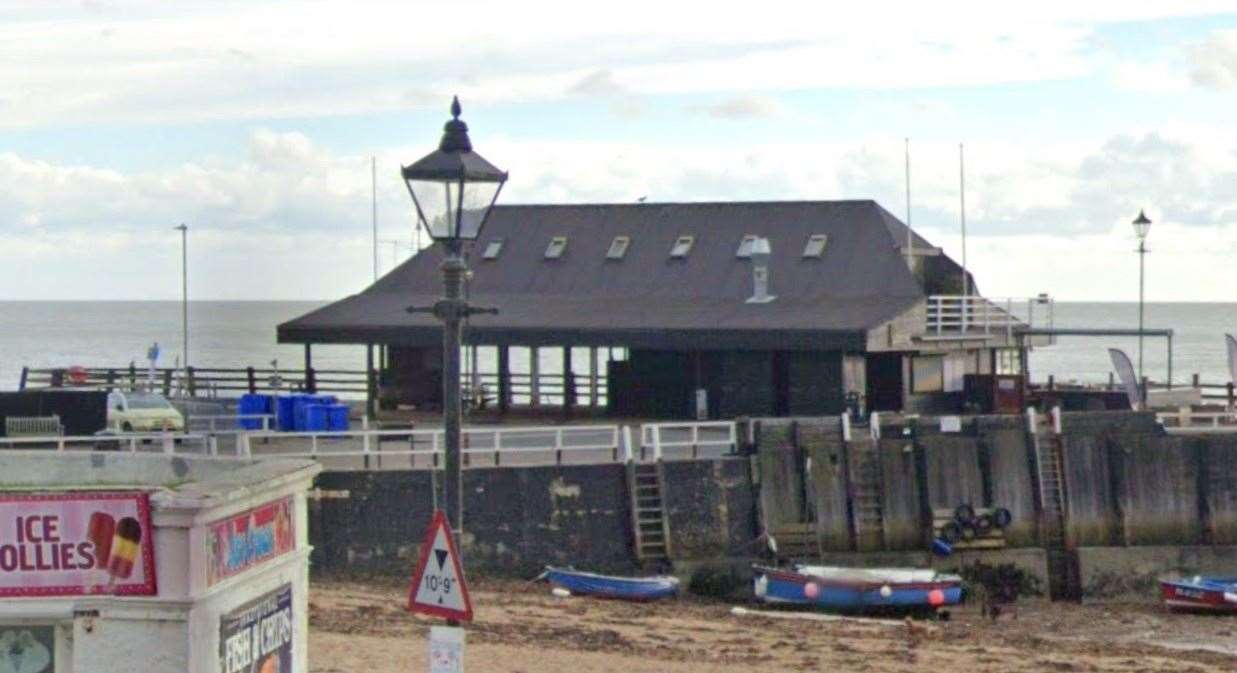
(534, 377)
(311, 386)
(593, 385)
(569, 382)
(371, 383)
(504, 379)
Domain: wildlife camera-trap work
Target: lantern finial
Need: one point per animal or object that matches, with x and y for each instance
(455, 107)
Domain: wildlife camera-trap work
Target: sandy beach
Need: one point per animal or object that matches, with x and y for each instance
(521, 628)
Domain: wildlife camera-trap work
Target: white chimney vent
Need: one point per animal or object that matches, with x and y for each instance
(760, 252)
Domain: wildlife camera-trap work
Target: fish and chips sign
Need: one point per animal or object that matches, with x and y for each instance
(257, 636)
(248, 539)
(73, 544)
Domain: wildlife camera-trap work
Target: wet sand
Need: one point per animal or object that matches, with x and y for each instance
(521, 628)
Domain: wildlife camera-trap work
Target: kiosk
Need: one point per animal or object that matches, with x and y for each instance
(115, 563)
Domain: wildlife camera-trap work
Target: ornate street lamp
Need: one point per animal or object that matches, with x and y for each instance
(1142, 226)
(453, 189)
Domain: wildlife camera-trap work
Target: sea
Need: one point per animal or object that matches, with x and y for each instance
(242, 333)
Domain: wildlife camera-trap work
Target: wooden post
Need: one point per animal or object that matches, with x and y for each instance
(504, 379)
(593, 385)
(25, 372)
(1111, 380)
(534, 377)
(252, 380)
(311, 386)
(132, 376)
(1051, 382)
(167, 382)
(1229, 388)
(1194, 379)
(569, 382)
(370, 408)
(1146, 381)
(191, 384)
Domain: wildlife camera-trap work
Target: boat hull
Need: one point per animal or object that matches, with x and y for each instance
(605, 586)
(1210, 594)
(794, 588)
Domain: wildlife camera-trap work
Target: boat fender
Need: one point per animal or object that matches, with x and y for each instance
(886, 592)
(811, 590)
(559, 592)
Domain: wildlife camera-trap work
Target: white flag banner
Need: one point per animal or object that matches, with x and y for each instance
(1125, 371)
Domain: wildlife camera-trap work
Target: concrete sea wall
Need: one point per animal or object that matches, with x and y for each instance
(1137, 503)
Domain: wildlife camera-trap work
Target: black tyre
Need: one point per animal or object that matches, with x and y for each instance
(1002, 517)
(983, 524)
(964, 513)
(951, 532)
(968, 532)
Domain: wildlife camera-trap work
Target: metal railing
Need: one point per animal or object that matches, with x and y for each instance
(151, 442)
(957, 315)
(200, 381)
(695, 439)
(215, 423)
(1189, 420)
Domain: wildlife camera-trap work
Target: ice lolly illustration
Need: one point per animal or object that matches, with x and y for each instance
(100, 531)
(125, 547)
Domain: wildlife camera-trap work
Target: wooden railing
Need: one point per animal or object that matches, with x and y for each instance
(200, 381)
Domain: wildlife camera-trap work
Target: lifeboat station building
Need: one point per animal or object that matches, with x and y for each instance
(691, 310)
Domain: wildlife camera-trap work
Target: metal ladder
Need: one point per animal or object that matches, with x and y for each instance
(866, 495)
(649, 525)
(1062, 562)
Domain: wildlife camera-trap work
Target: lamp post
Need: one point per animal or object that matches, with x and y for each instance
(453, 189)
(1142, 226)
(184, 298)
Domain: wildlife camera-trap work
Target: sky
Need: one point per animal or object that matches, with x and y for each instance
(257, 124)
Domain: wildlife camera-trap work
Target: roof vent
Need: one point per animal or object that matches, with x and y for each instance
(760, 272)
(618, 247)
(682, 246)
(815, 246)
(556, 248)
(492, 249)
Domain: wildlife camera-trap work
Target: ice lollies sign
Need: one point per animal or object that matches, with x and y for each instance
(66, 544)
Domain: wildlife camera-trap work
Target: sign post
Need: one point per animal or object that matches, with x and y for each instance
(438, 589)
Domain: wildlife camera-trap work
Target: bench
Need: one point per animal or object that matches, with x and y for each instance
(33, 426)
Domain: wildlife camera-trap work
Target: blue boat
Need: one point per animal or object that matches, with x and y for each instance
(606, 586)
(1213, 594)
(857, 589)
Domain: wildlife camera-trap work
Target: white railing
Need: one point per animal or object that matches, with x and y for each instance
(695, 439)
(957, 315)
(480, 446)
(1187, 421)
(229, 422)
(133, 442)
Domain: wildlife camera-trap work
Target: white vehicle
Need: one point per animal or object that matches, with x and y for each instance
(142, 412)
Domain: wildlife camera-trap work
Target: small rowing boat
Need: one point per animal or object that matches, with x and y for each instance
(1216, 594)
(608, 586)
(857, 589)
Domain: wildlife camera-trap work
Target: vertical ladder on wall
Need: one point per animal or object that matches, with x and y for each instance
(866, 494)
(1061, 562)
(649, 524)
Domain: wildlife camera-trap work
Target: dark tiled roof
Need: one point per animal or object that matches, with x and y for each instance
(648, 298)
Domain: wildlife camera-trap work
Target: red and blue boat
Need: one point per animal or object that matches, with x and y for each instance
(609, 586)
(857, 589)
(1213, 594)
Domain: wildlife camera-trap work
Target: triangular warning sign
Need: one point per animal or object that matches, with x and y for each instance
(438, 588)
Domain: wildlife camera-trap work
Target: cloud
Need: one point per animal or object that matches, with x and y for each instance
(1214, 61)
(742, 107)
(264, 60)
(291, 219)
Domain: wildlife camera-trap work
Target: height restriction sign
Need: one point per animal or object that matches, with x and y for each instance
(438, 586)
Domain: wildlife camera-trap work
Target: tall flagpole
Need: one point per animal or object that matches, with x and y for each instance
(966, 292)
(373, 176)
(910, 240)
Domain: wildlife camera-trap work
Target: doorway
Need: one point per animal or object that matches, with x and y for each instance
(884, 381)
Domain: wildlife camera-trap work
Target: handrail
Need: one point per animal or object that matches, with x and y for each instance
(167, 441)
(653, 437)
